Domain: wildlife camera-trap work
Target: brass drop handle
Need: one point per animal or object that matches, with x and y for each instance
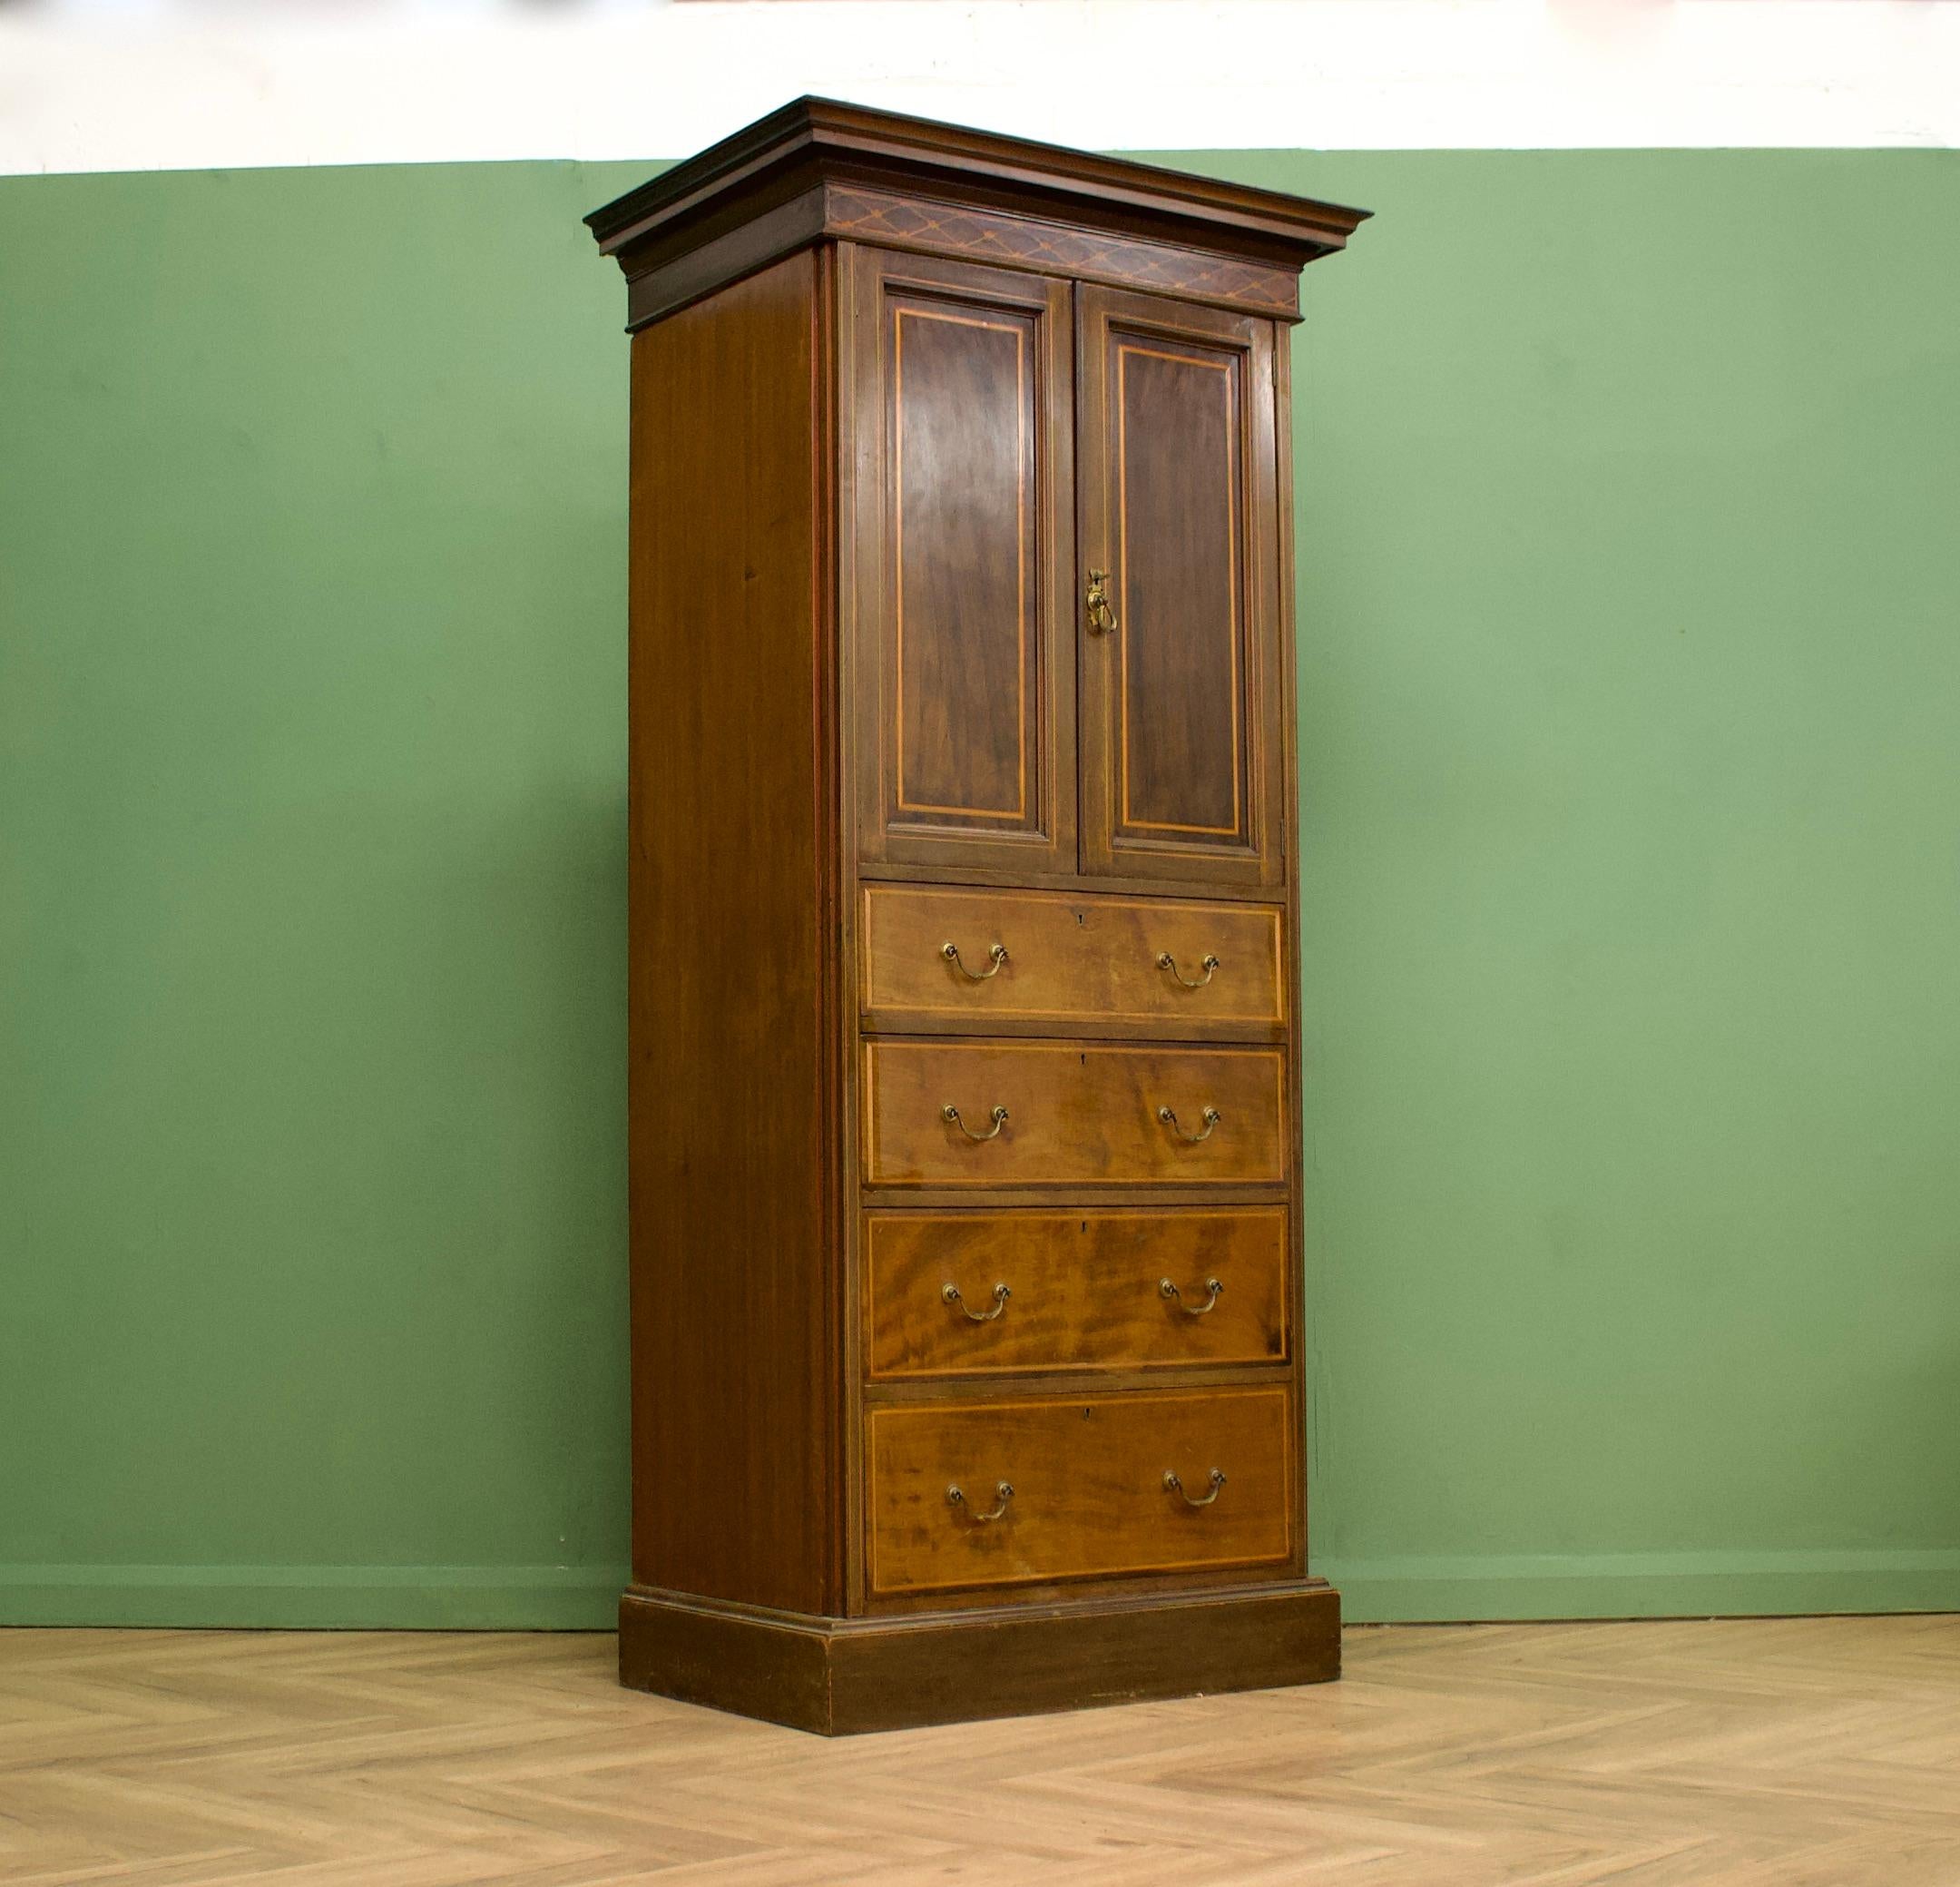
(1165, 960)
(1101, 615)
(1003, 1494)
(949, 1294)
(951, 1114)
(1211, 1118)
(1173, 1485)
(996, 957)
(1167, 1291)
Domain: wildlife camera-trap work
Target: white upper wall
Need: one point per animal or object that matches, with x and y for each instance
(141, 84)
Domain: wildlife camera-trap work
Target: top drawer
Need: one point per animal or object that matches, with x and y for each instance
(949, 960)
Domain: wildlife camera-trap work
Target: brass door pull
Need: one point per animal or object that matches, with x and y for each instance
(1212, 1119)
(1173, 1485)
(949, 1294)
(1003, 1494)
(1165, 960)
(996, 957)
(1167, 1290)
(951, 1114)
(1102, 616)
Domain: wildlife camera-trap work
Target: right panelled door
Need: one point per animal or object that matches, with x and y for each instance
(1179, 586)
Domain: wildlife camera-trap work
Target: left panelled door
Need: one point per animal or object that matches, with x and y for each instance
(961, 499)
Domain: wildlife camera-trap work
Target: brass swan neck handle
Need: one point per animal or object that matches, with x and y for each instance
(1167, 1290)
(1173, 1485)
(996, 956)
(1003, 1494)
(1210, 1116)
(1165, 960)
(951, 1115)
(949, 1294)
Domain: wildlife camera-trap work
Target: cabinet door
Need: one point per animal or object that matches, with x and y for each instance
(1182, 693)
(957, 401)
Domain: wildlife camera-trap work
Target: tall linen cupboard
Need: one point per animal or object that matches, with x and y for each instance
(964, 1129)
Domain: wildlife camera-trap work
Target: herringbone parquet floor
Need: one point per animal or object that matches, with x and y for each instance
(1802, 1752)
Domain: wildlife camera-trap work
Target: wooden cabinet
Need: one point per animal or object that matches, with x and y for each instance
(963, 1151)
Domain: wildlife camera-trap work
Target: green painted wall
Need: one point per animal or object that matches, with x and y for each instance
(1630, 684)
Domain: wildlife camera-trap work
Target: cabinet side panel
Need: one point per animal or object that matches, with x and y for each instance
(1288, 825)
(732, 1116)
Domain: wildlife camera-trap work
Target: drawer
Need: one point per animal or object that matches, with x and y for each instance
(1089, 1497)
(1069, 960)
(1038, 1113)
(1082, 1289)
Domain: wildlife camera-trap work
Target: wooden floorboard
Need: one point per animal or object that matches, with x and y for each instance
(1793, 1752)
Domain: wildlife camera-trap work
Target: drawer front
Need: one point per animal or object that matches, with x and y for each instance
(993, 1114)
(1074, 1291)
(1089, 1496)
(1176, 969)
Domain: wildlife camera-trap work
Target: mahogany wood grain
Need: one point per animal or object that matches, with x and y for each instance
(1152, 1194)
(695, 260)
(1083, 1291)
(962, 603)
(688, 266)
(1088, 1492)
(1076, 1116)
(844, 1677)
(1289, 798)
(1018, 240)
(1074, 1381)
(1070, 962)
(1195, 883)
(819, 142)
(734, 1414)
(1181, 737)
(871, 718)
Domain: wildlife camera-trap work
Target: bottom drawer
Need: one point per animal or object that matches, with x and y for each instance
(1089, 1494)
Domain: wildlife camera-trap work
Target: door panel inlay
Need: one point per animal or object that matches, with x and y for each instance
(1182, 739)
(957, 584)
(1182, 684)
(963, 547)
